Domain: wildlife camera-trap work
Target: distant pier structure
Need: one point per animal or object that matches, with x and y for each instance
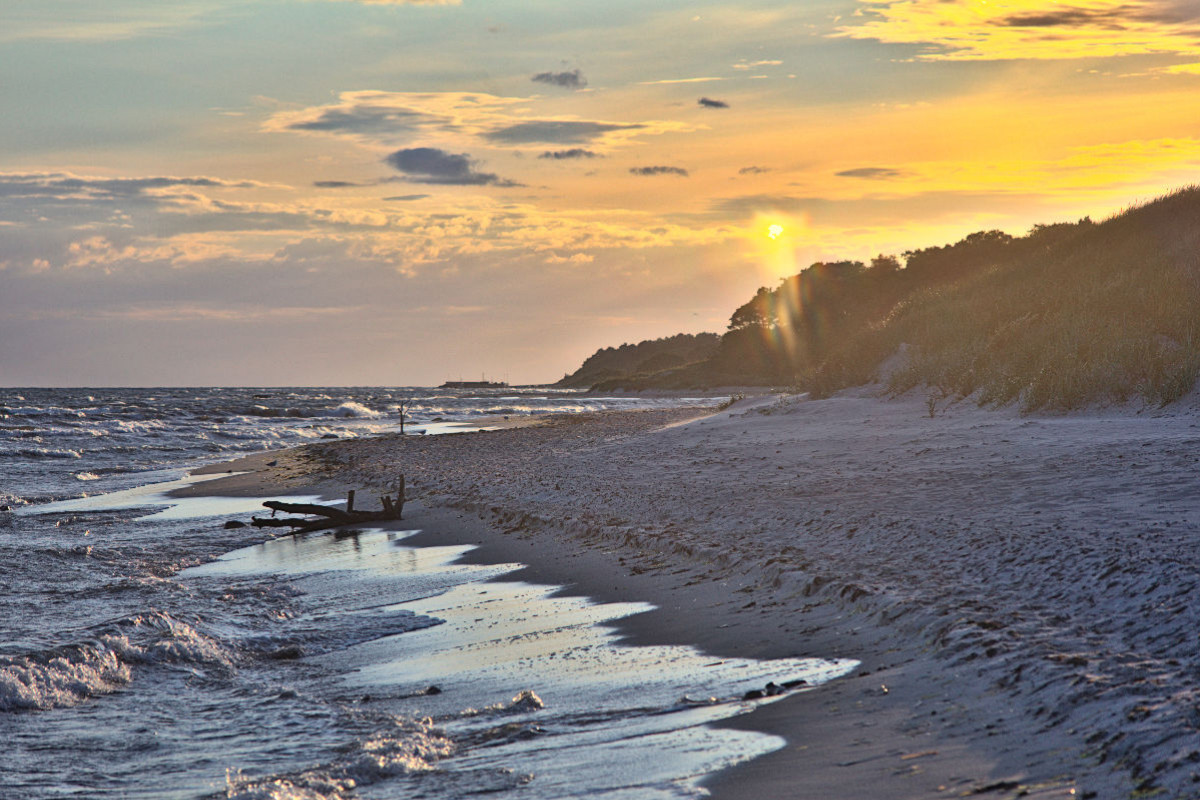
(474, 385)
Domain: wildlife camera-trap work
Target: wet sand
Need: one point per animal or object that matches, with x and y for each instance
(1020, 590)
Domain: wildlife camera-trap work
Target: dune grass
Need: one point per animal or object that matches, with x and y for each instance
(1094, 313)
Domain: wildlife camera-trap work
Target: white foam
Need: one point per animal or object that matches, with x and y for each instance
(525, 701)
(66, 680)
(405, 748)
(47, 452)
(352, 409)
(73, 674)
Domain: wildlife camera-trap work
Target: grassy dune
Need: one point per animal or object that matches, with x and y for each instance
(1085, 313)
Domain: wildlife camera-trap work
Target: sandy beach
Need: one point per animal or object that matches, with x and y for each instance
(1021, 590)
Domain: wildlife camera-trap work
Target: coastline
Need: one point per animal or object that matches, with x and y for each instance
(854, 527)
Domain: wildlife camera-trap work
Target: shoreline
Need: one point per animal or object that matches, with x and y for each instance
(680, 509)
(702, 615)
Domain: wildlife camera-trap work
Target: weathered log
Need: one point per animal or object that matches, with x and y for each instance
(272, 522)
(296, 524)
(328, 516)
(309, 508)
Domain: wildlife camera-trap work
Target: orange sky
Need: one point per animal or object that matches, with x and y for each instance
(334, 191)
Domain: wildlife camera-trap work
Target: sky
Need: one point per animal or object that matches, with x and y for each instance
(398, 192)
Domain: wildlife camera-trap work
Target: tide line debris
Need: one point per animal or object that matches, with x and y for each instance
(324, 517)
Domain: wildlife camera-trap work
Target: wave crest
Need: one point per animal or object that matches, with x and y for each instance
(69, 675)
(409, 747)
(352, 409)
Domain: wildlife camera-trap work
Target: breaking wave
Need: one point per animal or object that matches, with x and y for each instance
(70, 674)
(404, 748)
(356, 410)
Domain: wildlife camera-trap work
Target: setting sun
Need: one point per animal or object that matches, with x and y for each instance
(774, 231)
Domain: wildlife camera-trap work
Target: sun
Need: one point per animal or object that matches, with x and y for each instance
(774, 231)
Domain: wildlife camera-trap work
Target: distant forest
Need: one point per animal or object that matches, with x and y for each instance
(1067, 315)
(614, 366)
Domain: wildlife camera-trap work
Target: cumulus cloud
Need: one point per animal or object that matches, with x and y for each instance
(71, 221)
(708, 102)
(102, 228)
(659, 170)
(436, 166)
(570, 79)
(872, 173)
(574, 152)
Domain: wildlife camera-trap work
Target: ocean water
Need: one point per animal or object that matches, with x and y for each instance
(147, 652)
(57, 443)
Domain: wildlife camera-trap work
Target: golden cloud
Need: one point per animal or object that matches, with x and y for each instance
(974, 30)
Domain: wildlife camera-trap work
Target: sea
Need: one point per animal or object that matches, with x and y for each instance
(147, 651)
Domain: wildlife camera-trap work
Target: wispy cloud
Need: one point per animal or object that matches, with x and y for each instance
(872, 173)
(64, 185)
(252, 313)
(762, 63)
(577, 258)
(574, 152)
(665, 81)
(558, 131)
(85, 20)
(659, 170)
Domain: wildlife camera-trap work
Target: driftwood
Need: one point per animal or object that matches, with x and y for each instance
(268, 522)
(323, 517)
(310, 508)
